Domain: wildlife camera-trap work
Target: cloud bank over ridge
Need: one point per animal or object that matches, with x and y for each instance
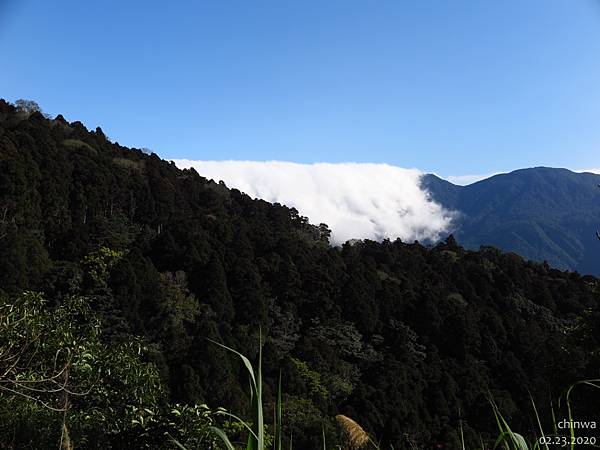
(356, 200)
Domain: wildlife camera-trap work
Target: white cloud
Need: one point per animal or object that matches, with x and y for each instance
(588, 170)
(362, 201)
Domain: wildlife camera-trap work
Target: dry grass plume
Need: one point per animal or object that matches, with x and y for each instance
(356, 437)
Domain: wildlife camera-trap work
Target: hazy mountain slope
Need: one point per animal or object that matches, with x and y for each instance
(541, 213)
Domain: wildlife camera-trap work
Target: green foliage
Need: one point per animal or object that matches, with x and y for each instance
(311, 378)
(77, 144)
(57, 375)
(98, 263)
(190, 425)
(55, 370)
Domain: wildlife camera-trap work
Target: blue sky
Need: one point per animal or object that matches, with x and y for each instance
(452, 87)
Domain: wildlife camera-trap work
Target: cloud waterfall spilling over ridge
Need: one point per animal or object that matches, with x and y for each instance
(357, 201)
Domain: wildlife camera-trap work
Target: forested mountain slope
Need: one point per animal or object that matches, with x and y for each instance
(398, 336)
(542, 213)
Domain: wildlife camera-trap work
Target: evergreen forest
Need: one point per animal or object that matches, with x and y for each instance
(119, 273)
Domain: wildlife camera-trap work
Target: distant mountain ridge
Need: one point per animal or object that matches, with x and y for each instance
(541, 213)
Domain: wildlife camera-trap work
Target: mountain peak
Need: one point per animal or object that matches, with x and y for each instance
(543, 213)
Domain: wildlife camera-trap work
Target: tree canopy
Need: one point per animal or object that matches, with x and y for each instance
(144, 263)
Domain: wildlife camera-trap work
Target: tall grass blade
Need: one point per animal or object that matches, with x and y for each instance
(278, 422)
(242, 422)
(501, 437)
(176, 442)
(570, 415)
(592, 383)
(223, 437)
(520, 441)
(245, 360)
(462, 435)
(506, 434)
(554, 425)
(256, 437)
(539, 422)
(256, 441)
(516, 439)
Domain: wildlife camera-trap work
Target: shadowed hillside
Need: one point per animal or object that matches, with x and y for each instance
(542, 213)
